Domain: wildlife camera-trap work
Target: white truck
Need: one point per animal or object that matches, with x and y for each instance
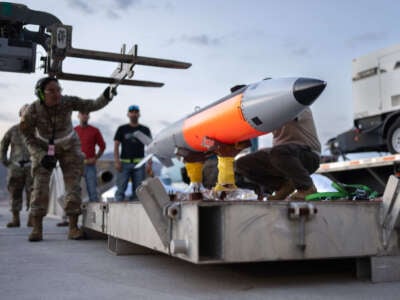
(376, 97)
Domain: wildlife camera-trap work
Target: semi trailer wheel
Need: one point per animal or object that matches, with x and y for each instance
(393, 137)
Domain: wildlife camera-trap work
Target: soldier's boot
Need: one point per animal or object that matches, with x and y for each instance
(74, 232)
(29, 223)
(15, 222)
(285, 190)
(302, 193)
(37, 231)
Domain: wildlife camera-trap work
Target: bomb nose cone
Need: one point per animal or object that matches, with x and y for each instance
(306, 90)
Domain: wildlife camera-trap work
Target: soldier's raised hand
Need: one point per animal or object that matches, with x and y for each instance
(109, 92)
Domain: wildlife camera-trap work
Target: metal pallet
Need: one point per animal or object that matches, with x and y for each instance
(210, 232)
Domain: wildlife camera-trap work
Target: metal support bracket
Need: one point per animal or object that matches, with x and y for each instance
(104, 211)
(301, 211)
(173, 211)
(391, 209)
(157, 205)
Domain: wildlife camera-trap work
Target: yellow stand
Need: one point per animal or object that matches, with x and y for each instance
(195, 171)
(226, 174)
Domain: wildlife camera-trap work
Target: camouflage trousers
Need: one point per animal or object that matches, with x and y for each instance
(19, 179)
(70, 159)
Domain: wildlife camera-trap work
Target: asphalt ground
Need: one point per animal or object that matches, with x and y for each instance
(58, 268)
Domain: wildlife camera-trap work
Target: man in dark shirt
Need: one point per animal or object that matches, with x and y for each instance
(132, 152)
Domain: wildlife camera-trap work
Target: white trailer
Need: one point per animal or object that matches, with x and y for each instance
(376, 101)
(373, 171)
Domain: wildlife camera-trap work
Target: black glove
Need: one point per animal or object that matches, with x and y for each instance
(109, 92)
(49, 162)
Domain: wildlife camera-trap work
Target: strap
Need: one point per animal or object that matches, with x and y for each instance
(131, 160)
(345, 191)
(326, 196)
(22, 164)
(56, 141)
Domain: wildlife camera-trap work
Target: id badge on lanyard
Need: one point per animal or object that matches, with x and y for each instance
(51, 149)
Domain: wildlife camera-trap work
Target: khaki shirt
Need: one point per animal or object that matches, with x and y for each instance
(19, 151)
(39, 121)
(299, 131)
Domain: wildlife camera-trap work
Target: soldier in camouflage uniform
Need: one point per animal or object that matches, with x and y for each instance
(19, 169)
(50, 137)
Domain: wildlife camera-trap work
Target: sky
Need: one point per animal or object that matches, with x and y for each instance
(227, 42)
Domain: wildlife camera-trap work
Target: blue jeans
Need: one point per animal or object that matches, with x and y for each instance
(90, 175)
(128, 172)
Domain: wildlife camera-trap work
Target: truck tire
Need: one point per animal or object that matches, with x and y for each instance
(393, 138)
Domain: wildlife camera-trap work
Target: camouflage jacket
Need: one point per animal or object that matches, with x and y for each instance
(39, 121)
(19, 151)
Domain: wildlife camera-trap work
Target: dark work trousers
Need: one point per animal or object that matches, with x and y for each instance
(272, 167)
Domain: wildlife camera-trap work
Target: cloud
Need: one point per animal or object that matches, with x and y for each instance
(110, 119)
(112, 14)
(7, 117)
(296, 48)
(300, 52)
(111, 9)
(325, 118)
(108, 126)
(200, 40)
(164, 123)
(81, 6)
(365, 38)
(121, 6)
(108, 132)
(124, 4)
(169, 6)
